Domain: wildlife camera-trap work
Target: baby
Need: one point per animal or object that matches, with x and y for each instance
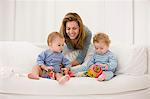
(50, 61)
(103, 57)
(103, 63)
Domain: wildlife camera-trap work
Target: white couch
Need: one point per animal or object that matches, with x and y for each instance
(132, 80)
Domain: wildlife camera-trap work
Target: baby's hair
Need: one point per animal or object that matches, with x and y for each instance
(53, 35)
(101, 37)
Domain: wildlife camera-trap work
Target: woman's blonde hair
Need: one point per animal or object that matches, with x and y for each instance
(82, 34)
(53, 35)
(101, 37)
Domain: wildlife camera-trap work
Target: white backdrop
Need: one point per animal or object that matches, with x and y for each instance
(141, 17)
(126, 21)
(7, 13)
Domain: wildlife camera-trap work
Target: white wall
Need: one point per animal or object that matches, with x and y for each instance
(141, 17)
(7, 12)
(126, 21)
(119, 20)
(34, 20)
(149, 23)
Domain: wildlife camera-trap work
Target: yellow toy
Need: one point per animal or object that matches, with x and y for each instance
(94, 71)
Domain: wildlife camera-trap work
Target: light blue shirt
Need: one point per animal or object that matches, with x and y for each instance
(54, 59)
(107, 58)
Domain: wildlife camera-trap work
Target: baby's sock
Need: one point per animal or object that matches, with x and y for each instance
(64, 79)
(101, 77)
(105, 76)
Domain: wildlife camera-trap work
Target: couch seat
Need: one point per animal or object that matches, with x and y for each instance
(76, 86)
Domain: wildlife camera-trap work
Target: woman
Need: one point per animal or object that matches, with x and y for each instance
(77, 36)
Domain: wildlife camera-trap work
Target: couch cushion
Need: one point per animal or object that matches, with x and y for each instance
(18, 56)
(148, 59)
(76, 86)
(21, 56)
(132, 59)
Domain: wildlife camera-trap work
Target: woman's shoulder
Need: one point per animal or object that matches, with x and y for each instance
(87, 30)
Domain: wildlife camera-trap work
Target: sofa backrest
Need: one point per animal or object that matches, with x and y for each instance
(21, 56)
(148, 59)
(132, 59)
(18, 56)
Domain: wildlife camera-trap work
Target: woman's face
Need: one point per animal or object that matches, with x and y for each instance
(72, 29)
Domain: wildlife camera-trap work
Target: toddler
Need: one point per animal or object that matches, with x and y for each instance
(103, 58)
(50, 61)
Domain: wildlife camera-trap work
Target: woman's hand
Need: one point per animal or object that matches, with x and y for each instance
(74, 63)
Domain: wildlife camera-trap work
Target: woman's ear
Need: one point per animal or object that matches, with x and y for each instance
(49, 44)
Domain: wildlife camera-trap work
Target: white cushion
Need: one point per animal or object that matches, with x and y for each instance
(132, 59)
(19, 56)
(76, 85)
(148, 52)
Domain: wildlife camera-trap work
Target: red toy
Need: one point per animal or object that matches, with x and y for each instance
(94, 71)
(66, 71)
(51, 74)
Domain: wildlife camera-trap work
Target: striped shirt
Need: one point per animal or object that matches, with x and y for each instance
(107, 58)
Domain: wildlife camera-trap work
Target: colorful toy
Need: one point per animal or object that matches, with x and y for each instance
(51, 74)
(94, 71)
(65, 71)
(48, 74)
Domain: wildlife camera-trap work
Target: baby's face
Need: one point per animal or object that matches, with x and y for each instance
(57, 44)
(100, 47)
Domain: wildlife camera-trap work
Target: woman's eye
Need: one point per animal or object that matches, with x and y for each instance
(67, 28)
(74, 28)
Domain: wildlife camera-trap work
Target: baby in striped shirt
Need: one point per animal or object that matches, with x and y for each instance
(102, 57)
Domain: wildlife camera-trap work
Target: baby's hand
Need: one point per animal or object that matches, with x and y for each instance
(51, 68)
(66, 70)
(44, 67)
(104, 65)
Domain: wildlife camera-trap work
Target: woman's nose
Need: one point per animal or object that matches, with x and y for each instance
(71, 30)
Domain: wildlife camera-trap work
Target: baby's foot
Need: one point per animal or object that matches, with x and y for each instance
(33, 76)
(101, 77)
(64, 79)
